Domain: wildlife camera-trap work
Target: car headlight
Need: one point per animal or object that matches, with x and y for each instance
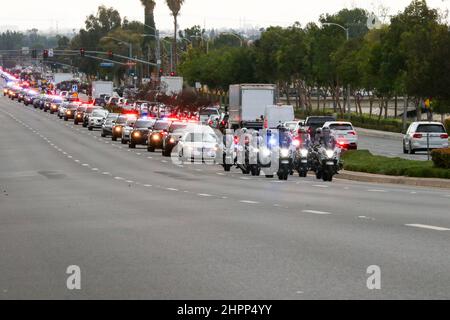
(284, 153)
(330, 153)
(304, 153)
(156, 137)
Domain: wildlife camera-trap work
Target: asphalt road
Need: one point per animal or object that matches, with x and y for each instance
(387, 146)
(140, 227)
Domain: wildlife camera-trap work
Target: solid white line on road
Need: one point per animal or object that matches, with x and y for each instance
(424, 226)
(375, 190)
(316, 212)
(249, 202)
(245, 178)
(320, 186)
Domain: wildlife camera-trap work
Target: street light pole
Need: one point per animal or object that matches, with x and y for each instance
(347, 34)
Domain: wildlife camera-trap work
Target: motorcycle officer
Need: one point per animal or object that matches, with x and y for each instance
(327, 139)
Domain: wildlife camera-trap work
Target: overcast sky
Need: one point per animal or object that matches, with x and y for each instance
(50, 14)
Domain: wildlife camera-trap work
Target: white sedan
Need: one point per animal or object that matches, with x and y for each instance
(200, 144)
(345, 134)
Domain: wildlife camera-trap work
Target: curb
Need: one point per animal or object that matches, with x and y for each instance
(378, 178)
(379, 134)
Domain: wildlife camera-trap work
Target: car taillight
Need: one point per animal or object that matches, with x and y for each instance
(236, 140)
(444, 136)
(417, 136)
(353, 133)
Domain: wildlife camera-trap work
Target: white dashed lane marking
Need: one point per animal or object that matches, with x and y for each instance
(249, 202)
(424, 226)
(317, 212)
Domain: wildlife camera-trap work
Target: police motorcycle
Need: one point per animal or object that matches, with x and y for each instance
(286, 154)
(229, 149)
(325, 156)
(244, 151)
(302, 145)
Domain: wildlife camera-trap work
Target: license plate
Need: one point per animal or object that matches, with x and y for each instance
(330, 163)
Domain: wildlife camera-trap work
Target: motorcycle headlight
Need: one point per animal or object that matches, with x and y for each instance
(265, 152)
(137, 134)
(284, 152)
(304, 153)
(330, 153)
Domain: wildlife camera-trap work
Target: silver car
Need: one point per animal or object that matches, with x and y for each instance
(97, 118)
(422, 136)
(127, 129)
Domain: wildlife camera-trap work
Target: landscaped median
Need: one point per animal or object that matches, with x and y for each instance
(364, 167)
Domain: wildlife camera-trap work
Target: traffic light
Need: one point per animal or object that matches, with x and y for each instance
(45, 54)
(110, 54)
(172, 74)
(82, 52)
(161, 72)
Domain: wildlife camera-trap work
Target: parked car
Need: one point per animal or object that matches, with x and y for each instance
(423, 136)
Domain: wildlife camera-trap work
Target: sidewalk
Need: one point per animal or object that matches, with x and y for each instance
(378, 178)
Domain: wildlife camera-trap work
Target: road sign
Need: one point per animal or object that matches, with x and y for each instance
(106, 65)
(51, 54)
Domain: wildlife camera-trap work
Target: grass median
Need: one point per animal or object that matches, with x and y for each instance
(364, 161)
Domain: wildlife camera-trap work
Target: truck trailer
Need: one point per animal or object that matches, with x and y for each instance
(248, 104)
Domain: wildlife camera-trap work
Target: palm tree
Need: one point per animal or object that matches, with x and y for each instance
(149, 27)
(175, 7)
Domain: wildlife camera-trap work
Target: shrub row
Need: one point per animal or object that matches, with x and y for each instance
(441, 158)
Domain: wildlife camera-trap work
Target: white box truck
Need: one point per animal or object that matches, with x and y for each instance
(248, 104)
(171, 85)
(276, 115)
(102, 88)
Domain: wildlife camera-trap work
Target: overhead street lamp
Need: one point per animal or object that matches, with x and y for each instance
(239, 37)
(130, 52)
(130, 45)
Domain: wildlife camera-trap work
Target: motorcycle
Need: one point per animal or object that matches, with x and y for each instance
(326, 163)
(286, 163)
